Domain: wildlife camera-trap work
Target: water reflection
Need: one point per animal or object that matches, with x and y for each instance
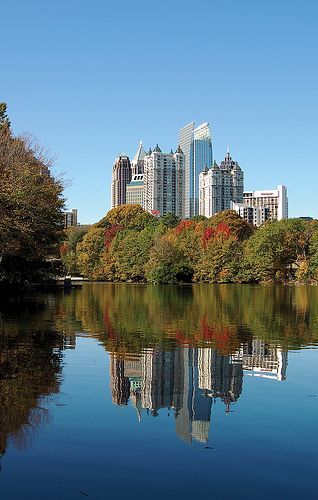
(179, 348)
(188, 381)
(30, 368)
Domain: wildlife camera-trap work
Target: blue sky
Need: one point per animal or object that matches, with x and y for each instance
(91, 79)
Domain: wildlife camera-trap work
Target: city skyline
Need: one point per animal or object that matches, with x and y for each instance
(258, 96)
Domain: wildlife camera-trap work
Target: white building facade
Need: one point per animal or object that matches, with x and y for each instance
(164, 182)
(275, 200)
(253, 215)
(220, 186)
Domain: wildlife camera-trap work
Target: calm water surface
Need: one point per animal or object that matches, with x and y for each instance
(131, 391)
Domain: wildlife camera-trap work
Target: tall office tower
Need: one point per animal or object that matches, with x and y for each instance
(220, 186)
(186, 144)
(164, 182)
(121, 176)
(137, 164)
(275, 200)
(196, 145)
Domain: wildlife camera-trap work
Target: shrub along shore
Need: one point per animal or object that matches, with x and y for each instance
(131, 245)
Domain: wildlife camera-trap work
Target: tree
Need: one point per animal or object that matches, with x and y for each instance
(221, 258)
(167, 264)
(68, 250)
(4, 120)
(128, 216)
(31, 206)
(170, 220)
(90, 251)
(280, 249)
(238, 226)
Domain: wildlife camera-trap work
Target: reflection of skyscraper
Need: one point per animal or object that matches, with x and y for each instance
(158, 378)
(220, 374)
(119, 384)
(262, 360)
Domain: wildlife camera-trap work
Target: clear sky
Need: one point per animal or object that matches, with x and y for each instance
(91, 79)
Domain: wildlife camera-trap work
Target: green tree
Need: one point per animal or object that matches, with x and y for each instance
(170, 220)
(167, 264)
(4, 120)
(89, 252)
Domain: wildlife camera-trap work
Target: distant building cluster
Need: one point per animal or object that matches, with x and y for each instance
(187, 381)
(188, 182)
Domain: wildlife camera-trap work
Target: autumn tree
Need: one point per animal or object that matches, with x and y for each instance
(128, 216)
(31, 205)
(238, 226)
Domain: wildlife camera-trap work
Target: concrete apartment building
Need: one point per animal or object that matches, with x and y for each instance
(121, 176)
(164, 182)
(220, 186)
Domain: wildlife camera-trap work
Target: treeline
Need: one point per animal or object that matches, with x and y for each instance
(31, 204)
(129, 244)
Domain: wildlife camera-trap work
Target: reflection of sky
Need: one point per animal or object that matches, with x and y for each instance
(269, 438)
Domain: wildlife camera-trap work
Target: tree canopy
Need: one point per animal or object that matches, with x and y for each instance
(31, 205)
(129, 244)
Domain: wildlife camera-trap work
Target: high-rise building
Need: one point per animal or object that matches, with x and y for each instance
(196, 145)
(220, 186)
(164, 182)
(137, 164)
(121, 176)
(135, 191)
(202, 158)
(275, 200)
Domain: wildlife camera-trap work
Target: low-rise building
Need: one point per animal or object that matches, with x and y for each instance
(253, 215)
(275, 200)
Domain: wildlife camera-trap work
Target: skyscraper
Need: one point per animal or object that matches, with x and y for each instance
(196, 145)
(202, 158)
(137, 164)
(121, 176)
(186, 144)
(220, 186)
(163, 182)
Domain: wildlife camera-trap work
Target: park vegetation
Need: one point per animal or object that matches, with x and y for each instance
(31, 204)
(131, 245)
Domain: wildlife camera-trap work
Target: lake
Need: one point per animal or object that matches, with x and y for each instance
(141, 391)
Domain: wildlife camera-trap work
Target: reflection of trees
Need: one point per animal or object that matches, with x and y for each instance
(30, 367)
(129, 318)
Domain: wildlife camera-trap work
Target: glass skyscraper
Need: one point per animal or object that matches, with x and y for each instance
(196, 145)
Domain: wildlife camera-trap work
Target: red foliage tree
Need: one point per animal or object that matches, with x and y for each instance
(110, 234)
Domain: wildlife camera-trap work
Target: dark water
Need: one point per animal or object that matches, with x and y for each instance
(128, 391)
